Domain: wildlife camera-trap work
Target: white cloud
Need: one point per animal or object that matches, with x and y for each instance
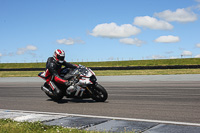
(198, 45)
(0, 54)
(173, 57)
(180, 15)
(21, 51)
(131, 41)
(158, 57)
(186, 53)
(152, 23)
(112, 30)
(65, 41)
(197, 56)
(198, 7)
(31, 47)
(167, 39)
(70, 41)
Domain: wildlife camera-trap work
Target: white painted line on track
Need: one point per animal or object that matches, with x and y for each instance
(24, 118)
(106, 117)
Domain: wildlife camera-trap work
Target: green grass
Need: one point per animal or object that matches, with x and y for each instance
(19, 73)
(161, 62)
(109, 72)
(147, 72)
(10, 126)
(22, 65)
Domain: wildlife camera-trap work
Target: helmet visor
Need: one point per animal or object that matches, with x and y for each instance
(60, 58)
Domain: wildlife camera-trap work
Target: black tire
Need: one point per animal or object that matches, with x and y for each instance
(99, 93)
(55, 97)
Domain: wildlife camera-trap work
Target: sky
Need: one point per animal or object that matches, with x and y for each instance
(99, 30)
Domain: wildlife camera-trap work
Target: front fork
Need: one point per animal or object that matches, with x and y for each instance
(90, 88)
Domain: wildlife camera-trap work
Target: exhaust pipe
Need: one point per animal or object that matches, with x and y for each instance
(46, 90)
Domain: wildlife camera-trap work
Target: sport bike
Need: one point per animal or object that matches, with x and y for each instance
(83, 84)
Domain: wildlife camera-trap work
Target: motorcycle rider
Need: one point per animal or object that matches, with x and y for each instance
(52, 71)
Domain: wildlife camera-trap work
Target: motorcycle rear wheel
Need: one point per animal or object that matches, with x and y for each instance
(99, 93)
(55, 97)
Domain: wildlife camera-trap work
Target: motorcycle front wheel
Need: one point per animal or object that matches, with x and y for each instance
(99, 93)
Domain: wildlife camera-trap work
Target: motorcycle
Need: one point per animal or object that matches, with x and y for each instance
(83, 85)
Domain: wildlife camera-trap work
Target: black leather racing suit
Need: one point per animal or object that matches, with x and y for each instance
(52, 72)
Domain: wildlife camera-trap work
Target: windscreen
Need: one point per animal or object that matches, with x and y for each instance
(83, 71)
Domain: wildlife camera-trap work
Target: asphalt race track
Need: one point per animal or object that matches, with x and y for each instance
(148, 104)
(165, 98)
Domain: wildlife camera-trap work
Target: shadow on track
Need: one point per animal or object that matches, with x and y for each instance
(73, 101)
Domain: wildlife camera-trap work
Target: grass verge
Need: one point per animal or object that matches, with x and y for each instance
(148, 72)
(160, 62)
(109, 72)
(10, 126)
(19, 73)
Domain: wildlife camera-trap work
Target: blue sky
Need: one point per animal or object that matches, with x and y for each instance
(99, 30)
